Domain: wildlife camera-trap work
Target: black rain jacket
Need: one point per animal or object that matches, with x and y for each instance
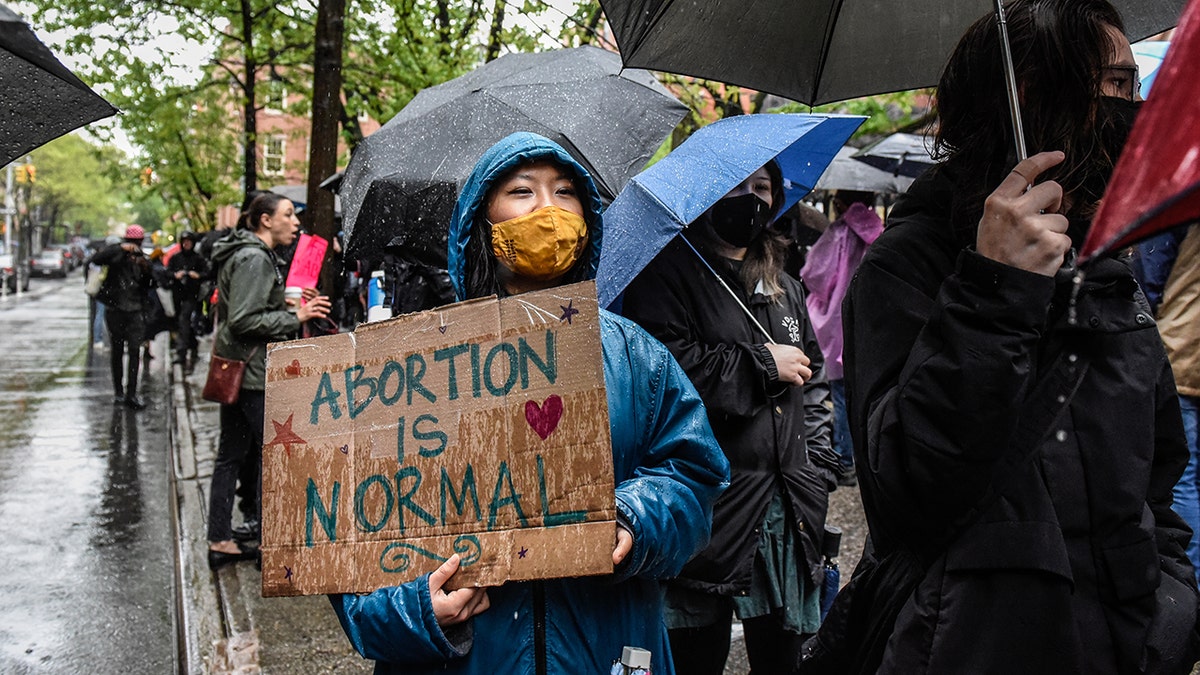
(1079, 566)
(773, 434)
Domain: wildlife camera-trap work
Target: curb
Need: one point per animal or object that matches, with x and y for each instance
(214, 628)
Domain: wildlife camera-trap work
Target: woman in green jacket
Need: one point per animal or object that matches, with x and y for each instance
(250, 312)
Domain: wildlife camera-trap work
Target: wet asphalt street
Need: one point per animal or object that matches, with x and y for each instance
(85, 536)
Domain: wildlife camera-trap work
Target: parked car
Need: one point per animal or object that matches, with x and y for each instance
(52, 262)
(69, 254)
(11, 276)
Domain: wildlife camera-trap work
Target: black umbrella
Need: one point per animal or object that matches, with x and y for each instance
(848, 173)
(40, 99)
(403, 179)
(817, 51)
(899, 154)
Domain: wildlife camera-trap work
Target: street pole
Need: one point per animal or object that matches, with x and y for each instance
(10, 207)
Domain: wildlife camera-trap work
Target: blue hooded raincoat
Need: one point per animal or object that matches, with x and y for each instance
(669, 471)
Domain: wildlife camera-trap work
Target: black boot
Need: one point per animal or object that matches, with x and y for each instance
(131, 385)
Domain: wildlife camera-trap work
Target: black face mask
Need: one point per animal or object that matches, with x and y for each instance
(1114, 121)
(739, 220)
(1115, 118)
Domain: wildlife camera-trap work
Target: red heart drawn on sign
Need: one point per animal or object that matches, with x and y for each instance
(292, 368)
(544, 418)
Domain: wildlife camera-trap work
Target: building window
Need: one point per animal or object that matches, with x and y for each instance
(273, 153)
(274, 97)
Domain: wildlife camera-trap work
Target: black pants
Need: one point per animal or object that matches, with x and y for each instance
(770, 649)
(125, 333)
(185, 328)
(240, 448)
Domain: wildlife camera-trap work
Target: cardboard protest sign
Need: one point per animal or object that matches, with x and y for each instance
(306, 263)
(479, 428)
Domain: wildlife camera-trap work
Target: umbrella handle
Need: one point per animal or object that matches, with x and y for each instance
(729, 290)
(1010, 81)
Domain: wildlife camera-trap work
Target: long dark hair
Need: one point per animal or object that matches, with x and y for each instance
(1059, 50)
(479, 270)
(767, 254)
(264, 204)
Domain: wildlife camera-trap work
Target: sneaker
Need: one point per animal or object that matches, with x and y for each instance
(848, 479)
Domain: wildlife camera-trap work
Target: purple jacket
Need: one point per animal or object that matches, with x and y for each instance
(827, 273)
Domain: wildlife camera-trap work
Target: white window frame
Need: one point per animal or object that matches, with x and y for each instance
(269, 158)
(275, 97)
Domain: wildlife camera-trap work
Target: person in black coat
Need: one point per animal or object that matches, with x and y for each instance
(769, 405)
(125, 294)
(1015, 426)
(186, 270)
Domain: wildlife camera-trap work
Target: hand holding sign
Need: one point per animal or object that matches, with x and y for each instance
(624, 545)
(455, 606)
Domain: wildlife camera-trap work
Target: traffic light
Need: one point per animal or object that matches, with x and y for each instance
(147, 176)
(26, 173)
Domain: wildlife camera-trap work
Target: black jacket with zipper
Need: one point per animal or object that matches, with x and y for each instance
(774, 435)
(1079, 566)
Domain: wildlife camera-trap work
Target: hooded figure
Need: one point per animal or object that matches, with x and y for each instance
(668, 472)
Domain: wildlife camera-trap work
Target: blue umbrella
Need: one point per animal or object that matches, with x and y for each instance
(1149, 56)
(660, 201)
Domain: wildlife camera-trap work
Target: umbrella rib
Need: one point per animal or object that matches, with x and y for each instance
(830, 27)
(729, 290)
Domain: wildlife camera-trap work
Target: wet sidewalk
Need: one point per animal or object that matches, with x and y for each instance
(225, 625)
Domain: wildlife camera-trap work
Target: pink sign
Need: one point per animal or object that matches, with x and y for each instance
(306, 264)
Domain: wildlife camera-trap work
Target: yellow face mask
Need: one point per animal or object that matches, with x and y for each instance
(541, 245)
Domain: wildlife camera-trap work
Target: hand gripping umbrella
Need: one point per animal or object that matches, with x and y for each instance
(40, 99)
(1156, 183)
(662, 200)
(402, 182)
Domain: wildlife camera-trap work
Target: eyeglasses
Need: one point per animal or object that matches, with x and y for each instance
(1121, 81)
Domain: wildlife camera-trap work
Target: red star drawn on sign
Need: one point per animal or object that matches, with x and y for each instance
(285, 436)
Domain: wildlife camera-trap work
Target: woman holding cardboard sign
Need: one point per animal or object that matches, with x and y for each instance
(528, 219)
(251, 312)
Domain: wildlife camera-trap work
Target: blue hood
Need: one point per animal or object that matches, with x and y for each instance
(513, 150)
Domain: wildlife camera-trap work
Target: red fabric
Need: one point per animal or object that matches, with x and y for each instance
(1156, 183)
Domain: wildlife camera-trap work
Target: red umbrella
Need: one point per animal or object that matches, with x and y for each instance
(1156, 183)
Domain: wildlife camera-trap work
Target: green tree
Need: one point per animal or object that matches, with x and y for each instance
(74, 193)
(251, 40)
(886, 113)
